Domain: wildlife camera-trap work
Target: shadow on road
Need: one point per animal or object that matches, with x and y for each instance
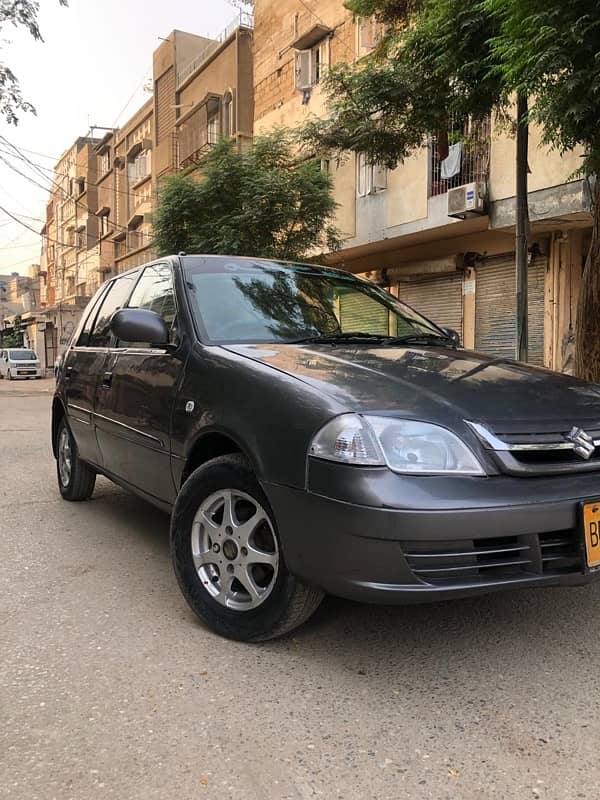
(491, 629)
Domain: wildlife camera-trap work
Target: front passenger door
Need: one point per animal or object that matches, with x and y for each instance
(133, 414)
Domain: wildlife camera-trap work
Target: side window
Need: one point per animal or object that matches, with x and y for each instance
(83, 335)
(155, 292)
(115, 298)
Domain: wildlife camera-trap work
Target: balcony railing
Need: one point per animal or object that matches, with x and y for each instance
(468, 163)
(244, 19)
(199, 132)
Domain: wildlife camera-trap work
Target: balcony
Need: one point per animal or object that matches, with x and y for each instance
(461, 156)
(199, 131)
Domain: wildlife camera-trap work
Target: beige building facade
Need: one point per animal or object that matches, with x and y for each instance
(439, 229)
(70, 254)
(99, 216)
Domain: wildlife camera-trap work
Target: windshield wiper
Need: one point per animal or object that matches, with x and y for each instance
(423, 338)
(349, 336)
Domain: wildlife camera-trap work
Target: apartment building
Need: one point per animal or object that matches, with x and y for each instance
(439, 229)
(99, 215)
(202, 90)
(70, 241)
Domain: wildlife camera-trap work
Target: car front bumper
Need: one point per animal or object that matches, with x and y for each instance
(373, 536)
(23, 373)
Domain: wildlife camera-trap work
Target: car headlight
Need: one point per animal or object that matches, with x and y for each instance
(405, 446)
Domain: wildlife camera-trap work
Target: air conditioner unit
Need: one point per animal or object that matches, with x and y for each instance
(467, 201)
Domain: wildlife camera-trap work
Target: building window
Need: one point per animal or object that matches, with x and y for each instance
(213, 129)
(80, 185)
(105, 162)
(104, 226)
(228, 118)
(369, 33)
(312, 65)
(140, 167)
(370, 178)
(80, 238)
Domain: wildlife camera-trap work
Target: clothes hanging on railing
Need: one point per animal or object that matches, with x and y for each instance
(451, 165)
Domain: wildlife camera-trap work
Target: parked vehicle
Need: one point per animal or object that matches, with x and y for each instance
(19, 363)
(309, 433)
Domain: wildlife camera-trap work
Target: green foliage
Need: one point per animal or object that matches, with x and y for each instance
(390, 12)
(18, 13)
(550, 51)
(259, 202)
(466, 57)
(439, 66)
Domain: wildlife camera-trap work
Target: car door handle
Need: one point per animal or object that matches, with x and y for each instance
(107, 380)
(69, 373)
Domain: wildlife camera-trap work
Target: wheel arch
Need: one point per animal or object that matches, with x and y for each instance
(212, 444)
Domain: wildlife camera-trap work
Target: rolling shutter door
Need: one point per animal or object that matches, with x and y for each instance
(536, 283)
(496, 308)
(440, 299)
(358, 315)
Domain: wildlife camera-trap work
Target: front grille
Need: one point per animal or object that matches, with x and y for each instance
(543, 452)
(485, 560)
(560, 552)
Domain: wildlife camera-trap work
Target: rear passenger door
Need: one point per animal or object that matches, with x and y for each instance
(135, 401)
(85, 365)
(81, 371)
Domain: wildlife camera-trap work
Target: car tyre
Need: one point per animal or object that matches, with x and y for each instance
(76, 480)
(234, 575)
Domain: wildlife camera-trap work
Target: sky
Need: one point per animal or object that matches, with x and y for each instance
(90, 70)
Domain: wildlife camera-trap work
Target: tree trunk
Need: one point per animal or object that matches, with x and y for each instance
(587, 341)
(522, 232)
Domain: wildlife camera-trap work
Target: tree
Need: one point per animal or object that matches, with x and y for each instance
(459, 58)
(258, 202)
(18, 13)
(550, 50)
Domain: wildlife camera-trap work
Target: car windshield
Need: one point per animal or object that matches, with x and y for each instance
(245, 301)
(22, 355)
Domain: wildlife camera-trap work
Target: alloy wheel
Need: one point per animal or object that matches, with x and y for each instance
(65, 457)
(235, 550)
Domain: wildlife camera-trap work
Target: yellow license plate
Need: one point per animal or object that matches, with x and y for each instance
(591, 525)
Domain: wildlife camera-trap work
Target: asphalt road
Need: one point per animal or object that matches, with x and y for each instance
(110, 688)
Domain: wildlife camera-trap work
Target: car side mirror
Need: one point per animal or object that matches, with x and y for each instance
(140, 325)
(454, 335)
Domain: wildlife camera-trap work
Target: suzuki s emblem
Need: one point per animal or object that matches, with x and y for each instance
(584, 444)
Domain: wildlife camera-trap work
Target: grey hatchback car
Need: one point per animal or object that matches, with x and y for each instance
(309, 433)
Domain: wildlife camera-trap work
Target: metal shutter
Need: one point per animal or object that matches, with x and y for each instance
(359, 314)
(439, 298)
(536, 282)
(496, 307)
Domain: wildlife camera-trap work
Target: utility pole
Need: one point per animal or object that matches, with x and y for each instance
(522, 231)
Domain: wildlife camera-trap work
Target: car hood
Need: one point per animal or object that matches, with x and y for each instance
(435, 383)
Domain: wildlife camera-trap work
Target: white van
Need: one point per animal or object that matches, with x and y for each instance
(19, 363)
